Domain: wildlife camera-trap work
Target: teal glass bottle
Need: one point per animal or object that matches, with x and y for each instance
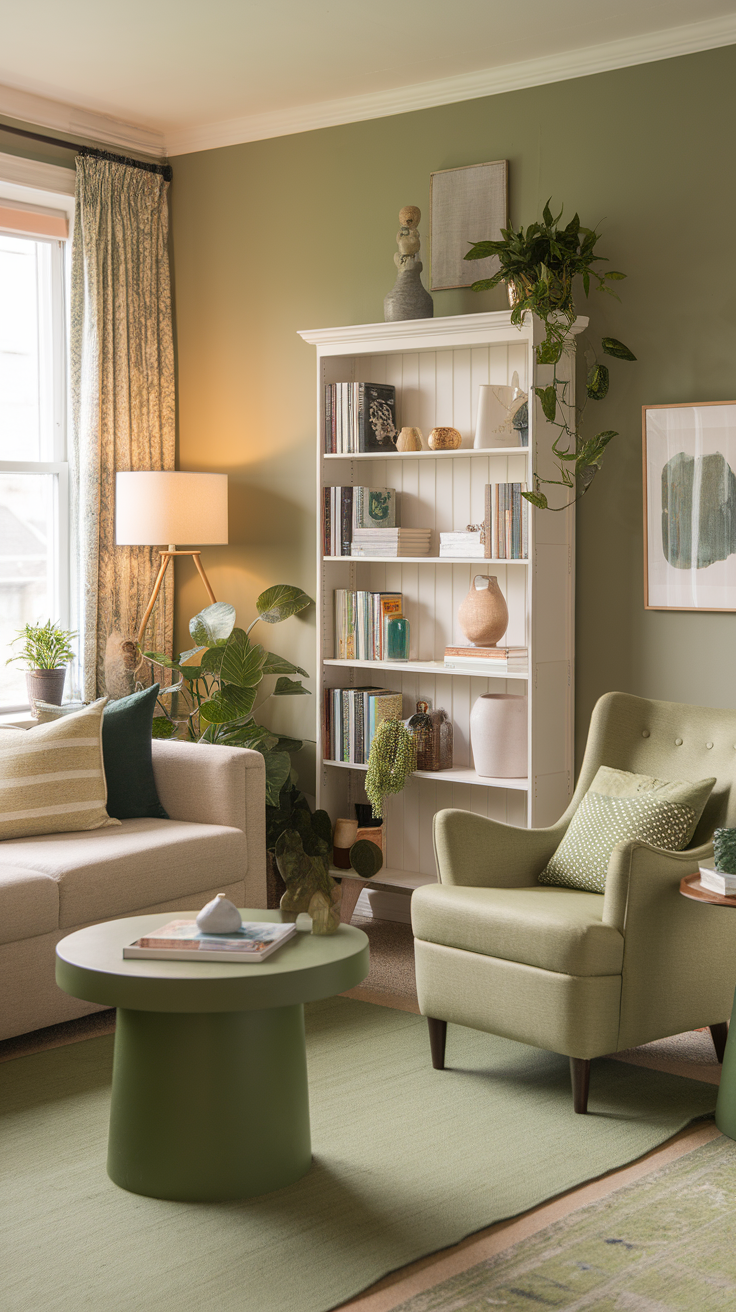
(396, 633)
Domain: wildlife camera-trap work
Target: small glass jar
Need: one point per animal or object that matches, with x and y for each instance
(434, 738)
(396, 634)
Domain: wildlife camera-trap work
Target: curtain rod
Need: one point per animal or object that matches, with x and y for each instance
(164, 169)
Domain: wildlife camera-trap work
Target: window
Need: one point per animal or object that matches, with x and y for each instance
(34, 499)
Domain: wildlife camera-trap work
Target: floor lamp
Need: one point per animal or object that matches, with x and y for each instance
(163, 506)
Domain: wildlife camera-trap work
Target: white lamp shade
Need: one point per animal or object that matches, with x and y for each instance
(164, 507)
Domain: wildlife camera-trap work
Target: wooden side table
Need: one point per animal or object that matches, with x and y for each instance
(691, 887)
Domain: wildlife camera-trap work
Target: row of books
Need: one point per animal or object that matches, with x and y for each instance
(351, 717)
(359, 618)
(359, 417)
(347, 510)
(506, 527)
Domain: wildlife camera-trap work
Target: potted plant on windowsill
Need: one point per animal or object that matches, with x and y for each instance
(46, 652)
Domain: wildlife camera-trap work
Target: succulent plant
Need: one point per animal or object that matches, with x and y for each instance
(724, 847)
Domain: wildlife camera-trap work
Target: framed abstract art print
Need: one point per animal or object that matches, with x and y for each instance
(690, 506)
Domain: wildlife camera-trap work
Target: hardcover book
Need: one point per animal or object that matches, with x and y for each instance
(182, 940)
(376, 417)
(374, 507)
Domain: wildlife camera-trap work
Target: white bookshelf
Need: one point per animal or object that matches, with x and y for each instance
(437, 366)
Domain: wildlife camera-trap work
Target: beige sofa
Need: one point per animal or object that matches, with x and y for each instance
(213, 842)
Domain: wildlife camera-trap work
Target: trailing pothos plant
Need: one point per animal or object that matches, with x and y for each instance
(540, 264)
(218, 681)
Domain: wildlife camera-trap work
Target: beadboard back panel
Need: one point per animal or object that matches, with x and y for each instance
(437, 367)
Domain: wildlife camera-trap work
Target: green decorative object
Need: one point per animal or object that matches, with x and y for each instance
(366, 858)
(724, 847)
(539, 266)
(309, 886)
(393, 757)
(218, 680)
(126, 751)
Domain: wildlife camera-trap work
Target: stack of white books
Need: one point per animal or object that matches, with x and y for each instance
(467, 543)
(717, 881)
(496, 660)
(391, 542)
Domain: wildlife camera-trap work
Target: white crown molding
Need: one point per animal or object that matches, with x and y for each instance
(62, 118)
(42, 177)
(426, 334)
(647, 48)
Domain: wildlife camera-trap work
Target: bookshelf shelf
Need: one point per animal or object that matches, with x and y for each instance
(425, 560)
(464, 775)
(436, 367)
(388, 880)
(429, 455)
(427, 667)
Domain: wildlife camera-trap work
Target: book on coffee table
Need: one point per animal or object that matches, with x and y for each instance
(182, 940)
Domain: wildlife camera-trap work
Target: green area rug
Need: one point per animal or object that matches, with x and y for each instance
(407, 1160)
(661, 1244)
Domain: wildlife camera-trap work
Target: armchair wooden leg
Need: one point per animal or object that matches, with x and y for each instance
(580, 1076)
(719, 1034)
(437, 1041)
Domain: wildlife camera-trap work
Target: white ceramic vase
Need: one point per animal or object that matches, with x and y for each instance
(220, 916)
(497, 406)
(498, 735)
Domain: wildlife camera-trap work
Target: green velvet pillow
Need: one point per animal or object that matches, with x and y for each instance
(617, 808)
(126, 751)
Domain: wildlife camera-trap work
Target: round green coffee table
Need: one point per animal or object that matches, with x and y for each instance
(209, 1093)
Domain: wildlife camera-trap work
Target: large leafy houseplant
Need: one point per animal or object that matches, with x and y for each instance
(218, 682)
(540, 264)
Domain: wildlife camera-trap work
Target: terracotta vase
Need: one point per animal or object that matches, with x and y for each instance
(483, 615)
(409, 439)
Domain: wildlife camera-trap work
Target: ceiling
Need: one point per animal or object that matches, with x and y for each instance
(193, 75)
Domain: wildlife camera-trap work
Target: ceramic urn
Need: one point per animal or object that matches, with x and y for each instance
(483, 615)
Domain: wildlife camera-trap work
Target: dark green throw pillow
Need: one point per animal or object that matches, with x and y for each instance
(126, 751)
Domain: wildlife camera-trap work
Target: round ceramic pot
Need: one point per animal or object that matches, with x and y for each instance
(45, 686)
(498, 736)
(483, 615)
(409, 439)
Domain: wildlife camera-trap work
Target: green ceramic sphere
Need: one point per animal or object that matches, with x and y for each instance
(366, 858)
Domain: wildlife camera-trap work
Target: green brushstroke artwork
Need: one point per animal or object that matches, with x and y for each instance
(698, 510)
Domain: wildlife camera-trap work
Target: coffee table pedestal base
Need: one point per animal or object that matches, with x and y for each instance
(726, 1104)
(209, 1106)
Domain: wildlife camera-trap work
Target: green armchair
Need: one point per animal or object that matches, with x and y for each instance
(584, 974)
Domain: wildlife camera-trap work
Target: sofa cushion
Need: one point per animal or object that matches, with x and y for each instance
(29, 903)
(552, 928)
(618, 808)
(126, 748)
(115, 872)
(52, 778)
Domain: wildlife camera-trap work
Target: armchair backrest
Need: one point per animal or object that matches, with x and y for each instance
(669, 740)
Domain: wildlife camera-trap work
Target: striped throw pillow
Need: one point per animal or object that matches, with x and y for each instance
(52, 778)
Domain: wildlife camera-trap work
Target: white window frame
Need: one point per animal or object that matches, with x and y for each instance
(29, 182)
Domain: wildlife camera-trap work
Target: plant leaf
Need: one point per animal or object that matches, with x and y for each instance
(213, 625)
(597, 382)
(227, 704)
(548, 398)
(537, 499)
(549, 351)
(290, 688)
(212, 660)
(163, 727)
(241, 663)
(290, 744)
(612, 346)
(281, 601)
(193, 651)
(274, 664)
(613, 273)
(278, 767)
(159, 658)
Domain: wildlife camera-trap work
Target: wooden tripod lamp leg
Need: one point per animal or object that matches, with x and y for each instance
(165, 558)
(203, 576)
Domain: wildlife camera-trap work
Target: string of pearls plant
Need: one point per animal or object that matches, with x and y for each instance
(392, 759)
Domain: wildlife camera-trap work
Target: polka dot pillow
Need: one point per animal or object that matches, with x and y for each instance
(617, 808)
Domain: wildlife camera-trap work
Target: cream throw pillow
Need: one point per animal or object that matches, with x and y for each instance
(618, 807)
(52, 778)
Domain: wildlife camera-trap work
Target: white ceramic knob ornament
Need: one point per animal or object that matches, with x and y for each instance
(220, 916)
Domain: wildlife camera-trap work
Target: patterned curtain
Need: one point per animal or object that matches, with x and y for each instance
(122, 408)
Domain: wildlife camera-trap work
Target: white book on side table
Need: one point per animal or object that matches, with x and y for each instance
(717, 882)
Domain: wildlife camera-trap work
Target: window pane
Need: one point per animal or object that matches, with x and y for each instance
(27, 584)
(26, 369)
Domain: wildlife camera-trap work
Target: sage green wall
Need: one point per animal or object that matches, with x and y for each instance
(298, 232)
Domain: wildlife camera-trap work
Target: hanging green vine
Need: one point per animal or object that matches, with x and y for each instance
(539, 265)
(393, 757)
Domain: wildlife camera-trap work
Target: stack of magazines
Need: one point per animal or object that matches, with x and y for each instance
(391, 542)
(359, 620)
(183, 940)
(493, 660)
(468, 543)
(351, 717)
(360, 417)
